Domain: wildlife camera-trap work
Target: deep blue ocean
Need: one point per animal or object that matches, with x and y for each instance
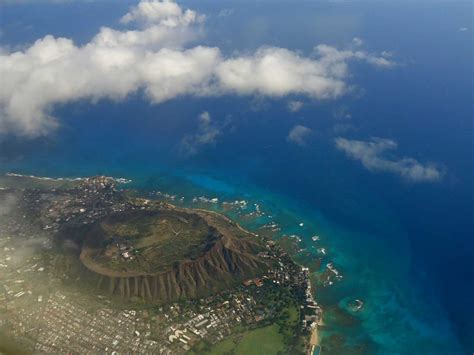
(406, 249)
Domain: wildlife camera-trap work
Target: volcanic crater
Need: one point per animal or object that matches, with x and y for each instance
(169, 254)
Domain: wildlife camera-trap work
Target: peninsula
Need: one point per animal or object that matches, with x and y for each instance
(111, 271)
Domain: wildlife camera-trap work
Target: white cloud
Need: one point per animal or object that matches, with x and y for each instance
(298, 135)
(295, 106)
(357, 41)
(372, 156)
(278, 72)
(463, 29)
(341, 57)
(205, 118)
(207, 134)
(165, 12)
(157, 59)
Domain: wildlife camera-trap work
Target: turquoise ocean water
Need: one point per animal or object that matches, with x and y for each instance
(396, 317)
(404, 249)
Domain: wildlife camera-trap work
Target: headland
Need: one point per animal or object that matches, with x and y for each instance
(146, 275)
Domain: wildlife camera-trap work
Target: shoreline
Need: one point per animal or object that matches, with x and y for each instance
(314, 337)
(119, 180)
(312, 340)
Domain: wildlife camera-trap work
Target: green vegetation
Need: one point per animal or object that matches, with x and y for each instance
(151, 241)
(278, 335)
(293, 315)
(18, 346)
(288, 244)
(261, 341)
